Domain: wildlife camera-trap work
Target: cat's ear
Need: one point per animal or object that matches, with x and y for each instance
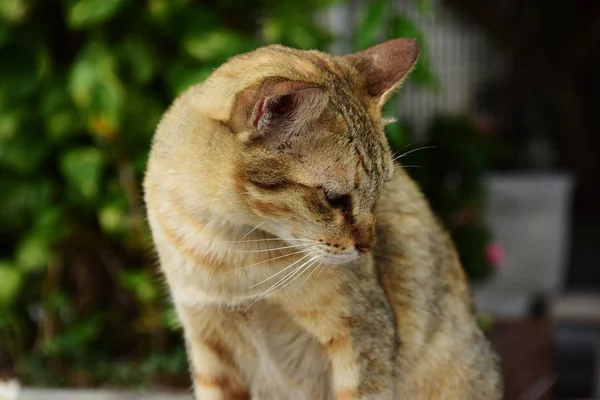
(385, 66)
(276, 107)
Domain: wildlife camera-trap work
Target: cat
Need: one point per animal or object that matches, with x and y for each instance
(302, 261)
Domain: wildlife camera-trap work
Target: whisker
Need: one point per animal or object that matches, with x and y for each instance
(266, 240)
(298, 275)
(412, 166)
(404, 147)
(312, 272)
(276, 248)
(277, 273)
(323, 266)
(282, 281)
(264, 261)
(255, 228)
(286, 278)
(413, 150)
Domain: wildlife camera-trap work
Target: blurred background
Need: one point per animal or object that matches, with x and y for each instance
(498, 124)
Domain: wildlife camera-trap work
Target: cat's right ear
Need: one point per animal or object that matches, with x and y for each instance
(275, 108)
(385, 66)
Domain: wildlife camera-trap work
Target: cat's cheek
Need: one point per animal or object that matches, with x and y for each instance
(339, 259)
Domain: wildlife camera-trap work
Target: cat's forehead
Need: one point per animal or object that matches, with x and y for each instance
(337, 152)
(318, 170)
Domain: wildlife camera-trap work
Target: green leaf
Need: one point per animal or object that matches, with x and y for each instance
(87, 13)
(10, 283)
(34, 253)
(76, 340)
(35, 249)
(272, 30)
(181, 77)
(113, 217)
(10, 122)
(138, 58)
(371, 24)
(423, 75)
(97, 90)
(60, 115)
(163, 10)
(141, 284)
(82, 168)
(216, 45)
(301, 36)
(14, 11)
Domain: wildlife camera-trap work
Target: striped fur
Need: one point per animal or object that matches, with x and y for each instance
(302, 263)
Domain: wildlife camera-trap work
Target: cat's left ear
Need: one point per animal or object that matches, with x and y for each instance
(385, 66)
(276, 107)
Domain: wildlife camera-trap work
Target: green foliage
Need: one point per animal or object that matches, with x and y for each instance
(83, 85)
(450, 166)
(450, 169)
(422, 74)
(380, 21)
(83, 14)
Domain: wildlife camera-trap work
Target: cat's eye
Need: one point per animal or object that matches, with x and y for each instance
(341, 201)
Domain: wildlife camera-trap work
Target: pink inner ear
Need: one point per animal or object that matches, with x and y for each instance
(269, 96)
(385, 65)
(259, 111)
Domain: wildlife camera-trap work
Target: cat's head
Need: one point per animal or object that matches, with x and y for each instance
(314, 154)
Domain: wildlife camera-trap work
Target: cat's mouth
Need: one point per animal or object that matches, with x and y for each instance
(339, 258)
(329, 254)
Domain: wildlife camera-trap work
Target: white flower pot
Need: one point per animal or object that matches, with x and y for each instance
(529, 215)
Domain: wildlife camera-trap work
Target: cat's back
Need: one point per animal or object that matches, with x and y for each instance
(442, 353)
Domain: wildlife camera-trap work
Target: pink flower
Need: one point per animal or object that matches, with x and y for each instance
(494, 252)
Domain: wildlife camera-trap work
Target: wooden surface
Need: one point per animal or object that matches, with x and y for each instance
(526, 350)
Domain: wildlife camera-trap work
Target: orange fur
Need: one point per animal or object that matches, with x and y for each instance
(266, 185)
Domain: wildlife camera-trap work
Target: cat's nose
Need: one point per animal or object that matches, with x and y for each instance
(364, 234)
(362, 248)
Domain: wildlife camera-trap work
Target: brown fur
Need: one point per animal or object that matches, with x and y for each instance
(266, 186)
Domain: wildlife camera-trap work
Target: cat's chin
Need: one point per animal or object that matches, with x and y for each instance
(338, 259)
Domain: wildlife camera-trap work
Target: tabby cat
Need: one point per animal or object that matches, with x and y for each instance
(302, 261)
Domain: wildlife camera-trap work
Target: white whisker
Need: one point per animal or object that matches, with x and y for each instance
(312, 272)
(255, 228)
(282, 282)
(264, 261)
(323, 266)
(267, 240)
(404, 147)
(298, 275)
(277, 273)
(412, 166)
(276, 248)
(412, 151)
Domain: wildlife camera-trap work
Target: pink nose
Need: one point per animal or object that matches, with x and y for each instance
(362, 248)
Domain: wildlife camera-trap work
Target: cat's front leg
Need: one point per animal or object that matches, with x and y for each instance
(349, 314)
(209, 335)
